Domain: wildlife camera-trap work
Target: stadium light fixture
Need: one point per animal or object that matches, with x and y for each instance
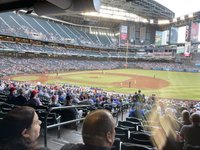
(115, 13)
(145, 21)
(191, 15)
(151, 21)
(163, 22)
(117, 34)
(174, 20)
(182, 18)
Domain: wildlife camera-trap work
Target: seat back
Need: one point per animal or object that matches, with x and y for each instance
(130, 146)
(142, 138)
(191, 147)
(134, 119)
(122, 134)
(128, 125)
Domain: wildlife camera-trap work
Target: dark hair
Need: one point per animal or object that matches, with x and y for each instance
(68, 100)
(96, 125)
(195, 118)
(12, 126)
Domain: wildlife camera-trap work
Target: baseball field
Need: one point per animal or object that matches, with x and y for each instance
(165, 84)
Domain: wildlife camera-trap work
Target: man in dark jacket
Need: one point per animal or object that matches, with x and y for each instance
(20, 99)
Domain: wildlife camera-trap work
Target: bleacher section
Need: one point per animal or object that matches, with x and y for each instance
(33, 27)
(61, 50)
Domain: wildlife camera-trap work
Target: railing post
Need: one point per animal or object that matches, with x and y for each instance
(58, 133)
(58, 124)
(45, 130)
(122, 115)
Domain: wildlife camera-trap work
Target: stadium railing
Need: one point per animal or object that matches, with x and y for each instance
(46, 126)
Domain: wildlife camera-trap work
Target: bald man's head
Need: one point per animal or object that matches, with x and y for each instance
(99, 128)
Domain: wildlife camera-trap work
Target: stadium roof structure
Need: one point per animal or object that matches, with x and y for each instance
(118, 10)
(147, 9)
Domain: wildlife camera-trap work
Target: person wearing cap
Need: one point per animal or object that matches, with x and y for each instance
(34, 100)
(11, 99)
(98, 132)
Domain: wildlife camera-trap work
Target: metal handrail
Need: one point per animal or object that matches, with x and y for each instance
(59, 124)
(66, 122)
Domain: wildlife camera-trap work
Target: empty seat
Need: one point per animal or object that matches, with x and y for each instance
(132, 126)
(142, 138)
(122, 134)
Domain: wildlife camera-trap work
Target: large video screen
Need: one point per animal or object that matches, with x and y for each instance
(162, 37)
(194, 32)
(181, 34)
(173, 35)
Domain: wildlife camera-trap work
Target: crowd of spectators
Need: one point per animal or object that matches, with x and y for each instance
(25, 47)
(174, 124)
(169, 65)
(16, 65)
(175, 119)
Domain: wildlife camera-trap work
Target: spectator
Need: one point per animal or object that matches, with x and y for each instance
(21, 99)
(34, 100)
(191, 133)
(135, 97)
(141, 97)
(54, 102)
(137, 111)
(77, 113)
(98, 132)
(185, 120)
(11, 97)
(20, 129)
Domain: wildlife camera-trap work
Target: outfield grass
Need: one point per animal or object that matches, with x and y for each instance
(183, 85)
